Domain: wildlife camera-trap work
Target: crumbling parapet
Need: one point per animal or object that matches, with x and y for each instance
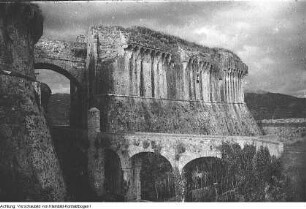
(141, 62)
(29, 167)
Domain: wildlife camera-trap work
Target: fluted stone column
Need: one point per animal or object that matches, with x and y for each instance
(136, 71)
(231, 85)
(209, 83)
(126, 83)
(29, 167)
(155, 92)
(157, 77)
(137, 179)
(165, 85)
(201, 81)
(146, 74)
(239, 87)
(196, 80)
(242, 92)
(227, 85)
(184, 81)
(236, 86)
(131, 74)
(159, 72)
(203, 78)
(191, 89)
(217, 87)
(212, 86)
(224, 86)
(163, 77)
(192, 80)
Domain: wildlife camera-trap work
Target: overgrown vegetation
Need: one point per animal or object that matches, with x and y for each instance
(253, 175)
(242, 175)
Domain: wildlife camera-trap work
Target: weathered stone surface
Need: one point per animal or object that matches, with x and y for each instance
(169, 64)
(144, 80)
(45, 95)
(154, 93)
(130, 114)
(29, 168)
(177, 149)
(96, 153)
(289, 128)
(67, 58)
(170, 145)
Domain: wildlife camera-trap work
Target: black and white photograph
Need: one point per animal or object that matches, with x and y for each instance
(152, 101)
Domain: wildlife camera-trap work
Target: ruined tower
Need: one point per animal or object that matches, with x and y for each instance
(147, 81)
(29, 169)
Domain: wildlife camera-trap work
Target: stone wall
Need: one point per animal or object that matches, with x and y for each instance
(67, 58)
(71, 149)
(177, 149)
(141, 62)
(144, 80)
(64, 57)
(29, 169)
(285, 128)
(130, 114)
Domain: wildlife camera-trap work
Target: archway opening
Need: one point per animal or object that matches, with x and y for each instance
(55, 96)
(61, 96)
(204, 179)
(153, 177)
(113, 177)
(64, 113)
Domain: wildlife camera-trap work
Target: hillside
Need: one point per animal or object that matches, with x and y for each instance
(58, 109)
(267, 105)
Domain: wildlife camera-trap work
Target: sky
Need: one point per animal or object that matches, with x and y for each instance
(270, 37)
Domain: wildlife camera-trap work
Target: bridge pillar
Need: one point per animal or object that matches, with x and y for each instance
(136, 179)
(96, 153)
(131, 177)
(179, 185)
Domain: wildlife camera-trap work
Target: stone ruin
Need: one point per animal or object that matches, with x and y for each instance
(134, 91)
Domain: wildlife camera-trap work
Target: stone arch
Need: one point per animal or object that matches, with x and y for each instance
(77, 114)
(153, 177)
(70, 56)
(203, 179)
(154, 146)
(58, 69)
(185, 159)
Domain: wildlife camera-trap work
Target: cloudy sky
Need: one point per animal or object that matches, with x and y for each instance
(270, 37)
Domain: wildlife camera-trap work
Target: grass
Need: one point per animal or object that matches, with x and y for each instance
(294, 165)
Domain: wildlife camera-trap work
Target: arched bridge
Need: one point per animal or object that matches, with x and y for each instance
(178, 150)
(69, 60)
(66, 58)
